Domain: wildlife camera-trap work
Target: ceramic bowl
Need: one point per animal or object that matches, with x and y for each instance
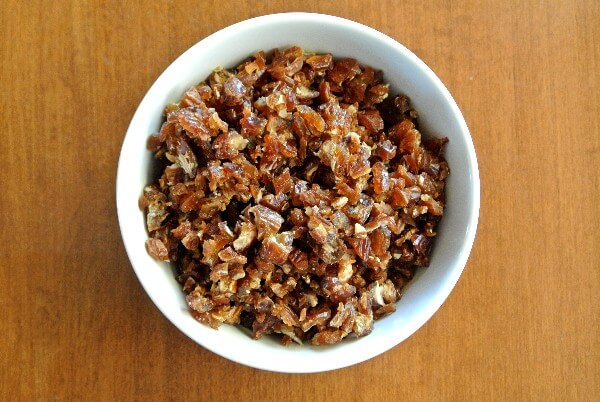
(439, 116)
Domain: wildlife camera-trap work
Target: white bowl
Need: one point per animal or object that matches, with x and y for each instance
(439, 116)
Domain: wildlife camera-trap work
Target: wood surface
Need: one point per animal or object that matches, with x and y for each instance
(523, 320)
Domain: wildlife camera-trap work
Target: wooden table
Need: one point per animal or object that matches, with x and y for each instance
(523, 321)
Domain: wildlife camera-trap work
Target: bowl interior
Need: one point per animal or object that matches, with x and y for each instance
(439, 116)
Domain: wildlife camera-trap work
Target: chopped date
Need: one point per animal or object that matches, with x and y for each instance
(277, 248)
(297, 197)
(157, 249)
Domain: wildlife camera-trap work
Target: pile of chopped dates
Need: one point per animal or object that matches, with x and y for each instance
(295, 196)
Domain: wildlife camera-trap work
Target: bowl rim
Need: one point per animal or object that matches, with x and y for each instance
(474, 196)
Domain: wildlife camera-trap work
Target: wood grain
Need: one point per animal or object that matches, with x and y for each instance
(523, 321)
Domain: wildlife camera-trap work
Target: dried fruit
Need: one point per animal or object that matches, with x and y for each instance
(295, 198)
(276, 248)
(157, 249)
